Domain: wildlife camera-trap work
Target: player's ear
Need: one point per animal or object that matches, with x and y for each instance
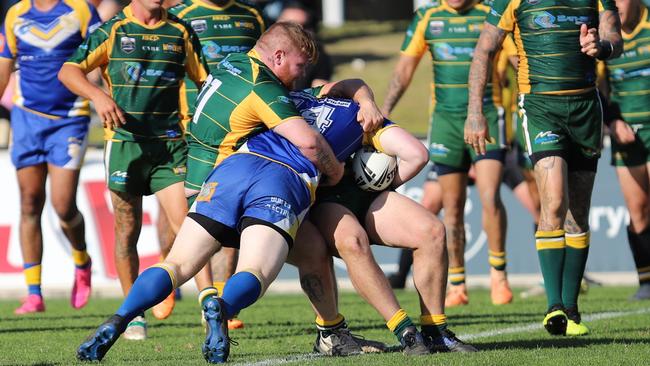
(279, 57)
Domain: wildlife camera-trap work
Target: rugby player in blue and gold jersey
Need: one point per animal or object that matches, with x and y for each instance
(50, 127)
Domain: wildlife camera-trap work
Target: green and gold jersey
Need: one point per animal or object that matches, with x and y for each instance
(232, 28)
(241, 98)
(144, 67)
(547, 36)
(450, 36)
(629, 75)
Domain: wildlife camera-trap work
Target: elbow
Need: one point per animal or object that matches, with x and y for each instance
(416, 155)
(62, 75)
(308, 146)
(421, 156)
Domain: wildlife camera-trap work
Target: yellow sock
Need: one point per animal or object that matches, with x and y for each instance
(497, 260)
(219, 285)
(322, 323)
(80, 257)
(457, 275)
(205, 293)
(433, 319)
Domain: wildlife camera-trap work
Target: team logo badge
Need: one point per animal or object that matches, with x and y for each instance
(207, 191)
(436, 149)
(436, 26)
(199, 25)
(127, 44)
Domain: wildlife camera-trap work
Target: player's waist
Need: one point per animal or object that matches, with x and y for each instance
(122, 134)
(572, 94)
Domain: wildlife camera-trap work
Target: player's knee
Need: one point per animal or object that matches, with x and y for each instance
(65, 210)
(430, 236)
(31, 203)
(491, 201)
(356, 245)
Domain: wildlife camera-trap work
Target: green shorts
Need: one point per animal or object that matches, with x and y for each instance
(569, 126)
(200, 163)
(636, 153)
(144, 168)
(447, 143)
(348, 194)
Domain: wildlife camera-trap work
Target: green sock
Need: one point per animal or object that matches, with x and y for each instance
(398, 322)
(575, 259)
(550, 250)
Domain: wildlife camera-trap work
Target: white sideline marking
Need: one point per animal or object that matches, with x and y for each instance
(468, 337)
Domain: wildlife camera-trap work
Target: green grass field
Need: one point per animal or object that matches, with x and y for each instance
(279, 330)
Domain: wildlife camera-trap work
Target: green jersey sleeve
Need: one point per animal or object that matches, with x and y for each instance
(414, 43)
(502, 14)
(272, 104)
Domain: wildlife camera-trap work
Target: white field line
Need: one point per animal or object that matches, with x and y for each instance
(467, 337)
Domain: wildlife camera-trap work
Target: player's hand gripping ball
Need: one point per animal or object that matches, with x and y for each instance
(373, 171)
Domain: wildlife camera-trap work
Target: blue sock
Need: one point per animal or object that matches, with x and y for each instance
(151, 287)
(241, 291)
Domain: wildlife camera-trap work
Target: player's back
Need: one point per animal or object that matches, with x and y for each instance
(41, 42)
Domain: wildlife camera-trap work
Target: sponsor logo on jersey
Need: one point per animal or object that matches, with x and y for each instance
(174, 48)
(179, 170)
(546, 137)
(119, 177)
(447, 52)
(199, 25)
(213, 50)
(436, 149)
(547, 20)
(283, 99)
(436, 27)
(150, 37)
(229, 67)
(247, 25)
(207, 191)
(127, 44)
(620, 74)
(133, 73)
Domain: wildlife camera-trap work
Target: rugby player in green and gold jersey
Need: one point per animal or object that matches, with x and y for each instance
(144, 54)
(558, 42)
(223, 27)
(449, 31)
(629, 122)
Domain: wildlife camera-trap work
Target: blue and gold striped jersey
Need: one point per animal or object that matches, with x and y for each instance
(629, 75)
(41, 42)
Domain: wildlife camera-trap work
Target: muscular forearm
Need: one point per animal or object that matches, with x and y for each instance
(322, 156)
(76, 81)
(609, 31)
(488, 43)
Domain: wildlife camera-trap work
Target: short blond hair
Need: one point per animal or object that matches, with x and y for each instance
(290, 35)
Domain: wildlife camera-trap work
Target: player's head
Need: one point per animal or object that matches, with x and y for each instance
(286, 48)
(628, 10)
(460, 4)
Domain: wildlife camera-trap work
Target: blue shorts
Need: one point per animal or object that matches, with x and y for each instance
(246, 189)
(37, 140)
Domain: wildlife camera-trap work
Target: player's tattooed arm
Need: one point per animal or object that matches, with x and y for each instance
(313, 146)
(605, 42)
(476, 130)
(399, 81)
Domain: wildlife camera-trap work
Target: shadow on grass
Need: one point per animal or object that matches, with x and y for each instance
(558, 343)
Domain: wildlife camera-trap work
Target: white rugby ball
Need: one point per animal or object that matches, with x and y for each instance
(373, 171)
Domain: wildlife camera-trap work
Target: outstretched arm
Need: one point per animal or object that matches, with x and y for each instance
(369, 115)
(476, 129)
(400, 80)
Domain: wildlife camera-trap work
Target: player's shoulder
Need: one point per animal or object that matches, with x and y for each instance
(428, 9)
(179, 23)
(182, 9)
(18, 9)
(484, 7)
(248, 6)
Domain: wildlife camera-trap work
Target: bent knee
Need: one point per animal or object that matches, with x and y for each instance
(354, 245)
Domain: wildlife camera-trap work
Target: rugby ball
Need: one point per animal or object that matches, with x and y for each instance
(373, 171)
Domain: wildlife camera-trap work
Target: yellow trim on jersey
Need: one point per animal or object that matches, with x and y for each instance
(508, 18)
(48, 116)
(211, 163)
(83, 12)
(418, 46)
(374, 138)
(10, 19)
(568, 92)
(97, 57)
(183, 12)
(144, 60)
(149, 34)
(183, 105)
(201, 143)
(214, 121)
(205, 4)
(264, 112)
